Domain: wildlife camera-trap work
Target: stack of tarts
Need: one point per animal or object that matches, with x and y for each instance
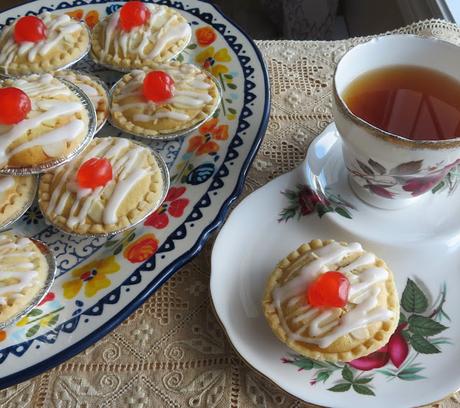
(50, 113)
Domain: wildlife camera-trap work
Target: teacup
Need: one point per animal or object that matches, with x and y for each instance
(386, 170)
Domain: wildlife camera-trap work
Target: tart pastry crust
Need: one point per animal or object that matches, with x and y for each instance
(67, 41)
(23, 272)
(15, 194)
(136, 189)
(363, 326)
(195, 98)
(52, 130)
(163, 36)
(93, 88)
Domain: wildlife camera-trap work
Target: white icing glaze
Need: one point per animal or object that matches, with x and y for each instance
(126, 174)
(16, 273)
(43, 91)
(323, 326)
(58, 29)
(160, 31)
(190, 92)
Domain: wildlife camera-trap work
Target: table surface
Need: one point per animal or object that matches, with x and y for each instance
(172, 351)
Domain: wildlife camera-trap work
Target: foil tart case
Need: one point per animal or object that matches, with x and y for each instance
(52, 270)
(99, 81)
(16, 216)
(165, 188)
(25, 171)
(180, 133)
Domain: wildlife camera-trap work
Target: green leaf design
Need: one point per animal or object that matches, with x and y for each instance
(53, 320)
(228, 76)
(347, 374)
(408, 168)
(402, 318)
(341, 387)
(35, 312)
(321, 209)
(343, 212)
(410, 377)
(362, 389)
(363, 380)
(228, 100)
(438, 187)
(118, 249)
(422, 345)
(406, 335)
(425, 326)
(180, 58)
(377, 166)
(416, 368)
(304, 363)
(232, 86)
(191, 46)
(231, 110)
(33, 330)
(413, 299)
(323, 376)
(131, 236)
(388, 373)
(111, 243)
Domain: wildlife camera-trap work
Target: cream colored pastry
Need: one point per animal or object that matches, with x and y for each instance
(54, 128)
(67, 41)
(136, 189)
(195, 98)
(16, 194)
(23, 272)
(164, 34)
(93, 89)
(361, 327)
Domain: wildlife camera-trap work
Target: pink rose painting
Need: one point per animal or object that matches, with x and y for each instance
(417, 338)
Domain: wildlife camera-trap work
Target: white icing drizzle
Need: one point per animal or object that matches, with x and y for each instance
(58, 29)
(6, 183)
(162, 29)
(16, 273)
(190, 86)
(43, 90)
(90, 91)
(87, 202)
(324, 326)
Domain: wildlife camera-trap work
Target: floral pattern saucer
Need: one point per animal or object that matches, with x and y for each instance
(420, 245)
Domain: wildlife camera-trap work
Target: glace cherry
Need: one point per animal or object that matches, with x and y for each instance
(329, 289)
(95, 172)
(158, 86)
(29, 29)
(14, 105)
(133, 14)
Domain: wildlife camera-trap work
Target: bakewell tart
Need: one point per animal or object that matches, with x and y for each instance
(138, 35)
(42, 122)
(114, 184)
(16, 195)
(44, 43)
(332, 301)
(24, 272)
(94, 88)
(171, 99)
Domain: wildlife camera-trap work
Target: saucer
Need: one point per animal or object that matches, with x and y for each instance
(277, 218)
(430, 218)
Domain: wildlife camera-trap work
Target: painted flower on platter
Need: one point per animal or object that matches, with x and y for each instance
(141, 249)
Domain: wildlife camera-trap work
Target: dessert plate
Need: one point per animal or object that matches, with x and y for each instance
(286, 212)
(101, 281)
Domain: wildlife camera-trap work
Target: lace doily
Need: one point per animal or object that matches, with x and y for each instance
(172, 352)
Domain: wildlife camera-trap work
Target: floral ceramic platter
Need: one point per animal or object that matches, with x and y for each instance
(314, 201)
(101, 281)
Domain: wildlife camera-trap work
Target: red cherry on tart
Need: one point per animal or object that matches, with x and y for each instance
(158, 86)
(29, 29)
(133, 14)
(330, 289)
(14, 105)
(95, 172)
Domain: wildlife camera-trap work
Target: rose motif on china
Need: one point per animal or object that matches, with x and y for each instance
(205, 36)
(141, 249)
